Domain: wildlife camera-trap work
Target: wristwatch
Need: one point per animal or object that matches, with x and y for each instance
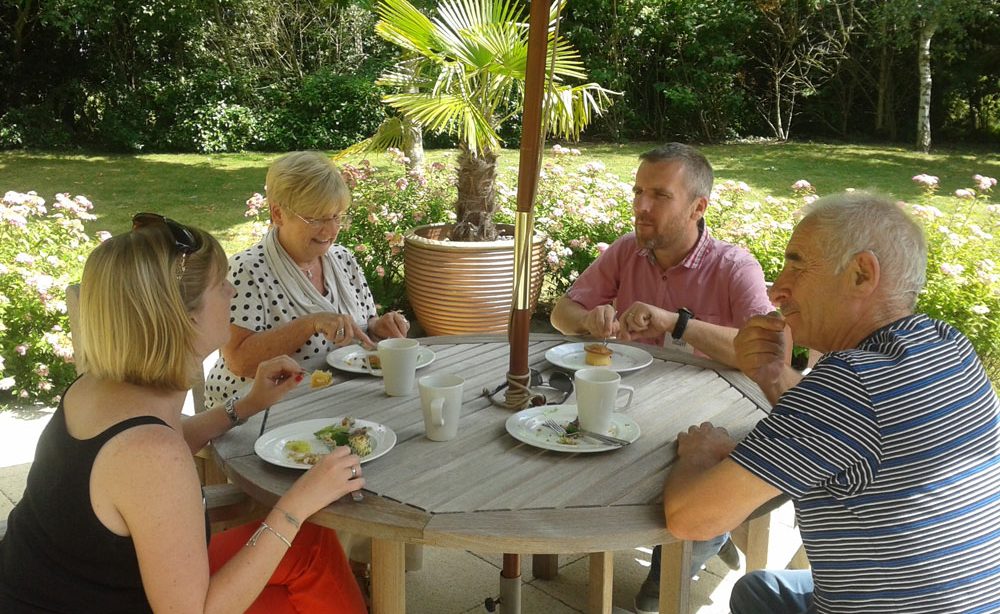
(683, 315)
(234, 418)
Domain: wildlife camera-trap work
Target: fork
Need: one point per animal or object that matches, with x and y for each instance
(605, 439)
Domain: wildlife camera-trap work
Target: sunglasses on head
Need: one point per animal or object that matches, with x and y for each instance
(185, 241)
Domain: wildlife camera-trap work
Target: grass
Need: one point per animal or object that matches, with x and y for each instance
(210, 190)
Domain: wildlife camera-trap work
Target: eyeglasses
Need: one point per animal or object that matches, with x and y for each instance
(343, 220)
(185, 240)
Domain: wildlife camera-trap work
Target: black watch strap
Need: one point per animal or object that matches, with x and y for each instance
(683, 315)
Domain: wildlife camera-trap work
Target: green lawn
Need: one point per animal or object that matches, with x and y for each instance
(210, 190)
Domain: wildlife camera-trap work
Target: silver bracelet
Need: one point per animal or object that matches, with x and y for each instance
(260, 530)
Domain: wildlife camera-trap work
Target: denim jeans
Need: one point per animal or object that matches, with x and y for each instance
(700, 552)
(773, 592)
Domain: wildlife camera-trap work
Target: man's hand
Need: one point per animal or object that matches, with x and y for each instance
(705, 445)
(600, 322)
(644, 320)
(760, 354)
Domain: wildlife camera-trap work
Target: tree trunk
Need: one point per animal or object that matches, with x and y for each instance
(884, 84)
(924, 101)
(413, 143)
(477, 175)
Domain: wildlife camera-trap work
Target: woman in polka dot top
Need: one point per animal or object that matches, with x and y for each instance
(297, 291)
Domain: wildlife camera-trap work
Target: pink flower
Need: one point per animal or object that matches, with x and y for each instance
(802, 186)
(6, 383)
(602, 247)
(928, 182)
(965, 193)
(21, 349)
(361, 248)
(437, 167)
(103, 235)
(985, 184)
(380, 271)
(402, 183)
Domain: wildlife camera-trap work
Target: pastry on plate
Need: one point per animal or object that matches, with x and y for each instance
(597, 354)
(320, 379)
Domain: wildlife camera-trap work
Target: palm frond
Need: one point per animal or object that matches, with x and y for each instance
(390, 133)
(403, 24)
(448, 113)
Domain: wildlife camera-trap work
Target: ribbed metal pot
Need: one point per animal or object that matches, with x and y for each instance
(459, 287)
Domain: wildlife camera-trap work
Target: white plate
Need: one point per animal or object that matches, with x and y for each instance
(528, 426)
(351, 358)
(573, 356)
(271, 445)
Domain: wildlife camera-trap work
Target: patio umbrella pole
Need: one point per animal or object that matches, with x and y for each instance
(527, 183)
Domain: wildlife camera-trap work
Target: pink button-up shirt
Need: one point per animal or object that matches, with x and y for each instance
(719, 282)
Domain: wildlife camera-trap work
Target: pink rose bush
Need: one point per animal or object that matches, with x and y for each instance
(42, 248)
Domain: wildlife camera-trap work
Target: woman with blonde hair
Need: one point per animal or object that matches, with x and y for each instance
(297, 291)
(113, 519)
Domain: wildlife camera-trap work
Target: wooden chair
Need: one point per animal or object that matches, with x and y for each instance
(209, 470)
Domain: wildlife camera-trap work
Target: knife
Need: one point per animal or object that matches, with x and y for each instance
(608, 439)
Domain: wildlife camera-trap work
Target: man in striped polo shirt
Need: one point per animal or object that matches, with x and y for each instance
(889, 447)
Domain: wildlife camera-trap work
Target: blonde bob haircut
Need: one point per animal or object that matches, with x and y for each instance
(135, 305)
(307, 183)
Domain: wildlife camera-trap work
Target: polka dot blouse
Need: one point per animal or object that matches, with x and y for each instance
(260, 304)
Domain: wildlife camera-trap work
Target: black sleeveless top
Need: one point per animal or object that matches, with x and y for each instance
(56, 555)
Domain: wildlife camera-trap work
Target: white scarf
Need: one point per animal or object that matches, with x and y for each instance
(302, 294)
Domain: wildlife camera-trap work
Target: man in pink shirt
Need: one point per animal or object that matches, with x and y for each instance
(669, 276)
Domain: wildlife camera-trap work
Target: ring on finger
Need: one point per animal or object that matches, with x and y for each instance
(354, 472)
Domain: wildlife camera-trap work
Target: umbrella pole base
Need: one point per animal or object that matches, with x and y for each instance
(510, 595)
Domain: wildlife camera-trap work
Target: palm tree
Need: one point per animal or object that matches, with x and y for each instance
(462, 73)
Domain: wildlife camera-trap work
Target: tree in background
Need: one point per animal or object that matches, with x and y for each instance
(801, 45)
(463, 73)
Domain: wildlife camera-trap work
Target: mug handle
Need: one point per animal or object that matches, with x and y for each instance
(437, 411)
(631, 391)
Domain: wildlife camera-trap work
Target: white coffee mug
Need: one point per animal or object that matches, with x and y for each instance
(441, 402)
(399, 365)
(597, 396)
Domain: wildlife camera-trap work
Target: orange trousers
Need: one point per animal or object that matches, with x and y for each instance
(313, 576)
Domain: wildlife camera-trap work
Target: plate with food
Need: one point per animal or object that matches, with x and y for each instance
(300, 445)
(528, 425)
(354, 358)
(617, 357)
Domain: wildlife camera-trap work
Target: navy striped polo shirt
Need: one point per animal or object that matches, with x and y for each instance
(891, 452)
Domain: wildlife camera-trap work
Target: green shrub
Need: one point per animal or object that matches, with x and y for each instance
(216, 127)
(328, 111)
(42, 250)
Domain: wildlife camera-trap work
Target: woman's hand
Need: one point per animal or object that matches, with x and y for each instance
(335, 475)
(274, 379)
(389, 324)
(340, 329)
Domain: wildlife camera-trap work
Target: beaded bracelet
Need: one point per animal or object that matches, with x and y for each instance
(260, 530)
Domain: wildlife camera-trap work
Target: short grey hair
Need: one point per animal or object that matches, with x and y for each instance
(698, 172)
(849, 223)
